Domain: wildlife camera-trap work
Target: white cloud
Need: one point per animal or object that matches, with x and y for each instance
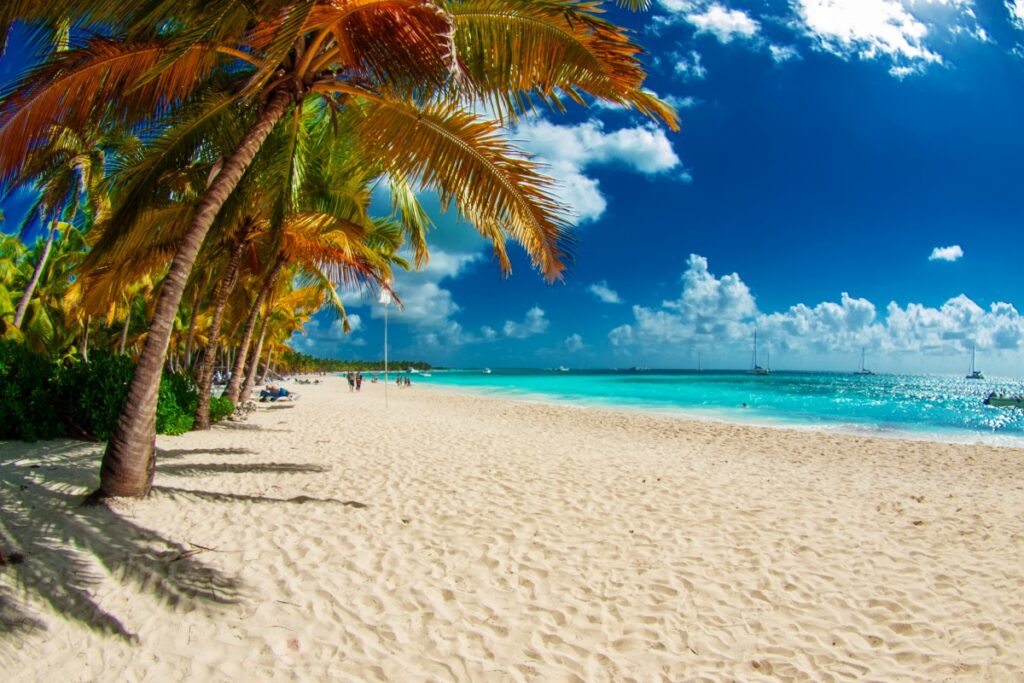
(488, 333)
(782, 53)
(573, 343)
(1016, 9)
(866, 27)
(708, 309)
(605, 293)
(690, 67)
(723, 311)
(569, 150)
(534, 323)
(678, 102)
(723, 23)
(953, 253)
(906, 32)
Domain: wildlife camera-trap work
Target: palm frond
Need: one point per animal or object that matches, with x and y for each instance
(469, 161)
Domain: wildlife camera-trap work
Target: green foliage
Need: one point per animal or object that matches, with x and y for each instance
(176, 406)
(293, 361)
(94, 392)
(28, 410)
(220, 407)
(43, 399)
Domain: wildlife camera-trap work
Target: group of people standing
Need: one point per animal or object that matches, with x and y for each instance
(355, 380)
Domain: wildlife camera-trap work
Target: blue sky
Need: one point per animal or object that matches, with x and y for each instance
(849, 174)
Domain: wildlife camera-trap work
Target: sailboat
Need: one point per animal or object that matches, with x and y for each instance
(863, 370)
(755, 368)
(974, 373)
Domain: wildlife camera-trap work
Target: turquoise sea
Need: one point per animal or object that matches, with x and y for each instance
(933, 407)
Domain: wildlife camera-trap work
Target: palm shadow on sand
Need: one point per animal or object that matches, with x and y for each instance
(68, 549)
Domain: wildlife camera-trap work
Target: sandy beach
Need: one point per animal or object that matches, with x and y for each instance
(457, 537)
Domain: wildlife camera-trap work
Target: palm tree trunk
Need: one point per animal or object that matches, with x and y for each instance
(209, 360)
(85, 340)
(250, 377)
(192, 330)
(124, 333)
(19, 312)
(129, 463)
(266, 368)
(235, 383)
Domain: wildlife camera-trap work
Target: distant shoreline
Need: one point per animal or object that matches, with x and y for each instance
(731, 418)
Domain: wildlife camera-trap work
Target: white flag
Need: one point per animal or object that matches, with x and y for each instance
(385, 297)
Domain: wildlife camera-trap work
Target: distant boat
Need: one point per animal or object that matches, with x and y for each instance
(1000, 401)
(974, 373)
(756, 369)
(562, 368)
(487, 371)
(425, 374)
(863, 370)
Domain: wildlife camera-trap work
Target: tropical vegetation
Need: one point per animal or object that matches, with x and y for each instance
(204, 170)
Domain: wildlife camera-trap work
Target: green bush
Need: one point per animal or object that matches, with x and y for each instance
(28, 410)
(41, 399)
(94, 393)
(176, 406)
(220, 407)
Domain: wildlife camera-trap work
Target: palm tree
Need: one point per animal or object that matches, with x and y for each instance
(401, 71)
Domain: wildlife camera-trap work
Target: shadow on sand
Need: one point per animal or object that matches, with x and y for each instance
(67, 550)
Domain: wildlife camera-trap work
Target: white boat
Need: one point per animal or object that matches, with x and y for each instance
(974, 373)
(487, 371)
(863, 370)
(562, 368)
(756, 369)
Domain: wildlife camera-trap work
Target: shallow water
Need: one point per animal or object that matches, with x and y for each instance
(925, 406)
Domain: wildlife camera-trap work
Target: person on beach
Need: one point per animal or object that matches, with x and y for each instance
(359, 381)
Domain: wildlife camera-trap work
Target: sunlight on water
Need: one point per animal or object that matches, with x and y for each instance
(947, 408)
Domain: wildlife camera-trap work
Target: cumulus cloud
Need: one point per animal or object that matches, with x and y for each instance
(605, 293)
(723, 310)
(952, 253)
(723, 23)
(712, 17)
(535, 322)
(901, 31)
(569, 151)
(1016, 9)
(573, 343)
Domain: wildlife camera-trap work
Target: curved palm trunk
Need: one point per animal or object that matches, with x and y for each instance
(205, 377)
(19, 312)
(234, 386)
(129, 463)
(250, 377)
(266, 368)
(192, 330)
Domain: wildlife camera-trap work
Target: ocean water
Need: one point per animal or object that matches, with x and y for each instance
(932, 407)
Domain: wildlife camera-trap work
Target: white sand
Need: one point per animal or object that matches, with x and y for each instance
(455, 537)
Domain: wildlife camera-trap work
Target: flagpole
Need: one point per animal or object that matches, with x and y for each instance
(385, 298)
